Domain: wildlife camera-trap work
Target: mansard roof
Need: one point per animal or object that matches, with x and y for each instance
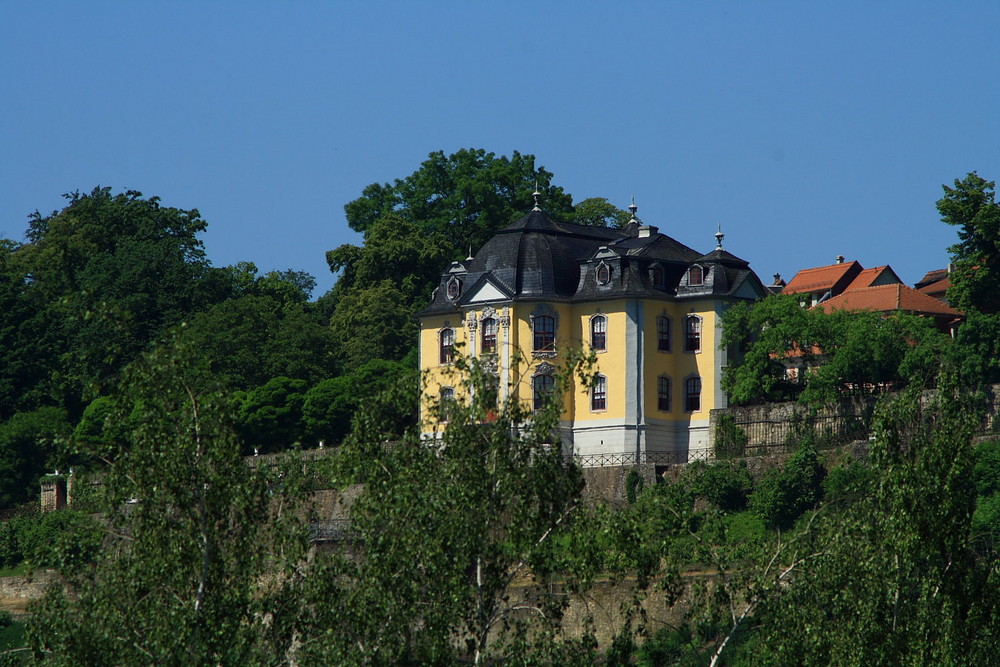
(538, 258)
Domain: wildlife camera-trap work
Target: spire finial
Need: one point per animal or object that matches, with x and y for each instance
(469, 258)
(632, 207)
(536, 194)
(718, 237)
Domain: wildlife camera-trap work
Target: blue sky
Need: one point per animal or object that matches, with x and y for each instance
(807, 130)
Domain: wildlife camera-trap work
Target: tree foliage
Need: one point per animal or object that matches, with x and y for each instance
(192, 535)
(412, 228)
(447, 526)
(971, 207)
(894, 579)
(837, 354)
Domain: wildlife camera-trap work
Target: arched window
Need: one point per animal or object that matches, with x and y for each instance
(542, 386)
(446, 341)
(692, 333)
(447, 402)
(658, 277)
(545, 333)
(489, 340)
(599, 394)
(599, 332)
(663, 393)
(696, 275)
(692, 394)
(663, 333)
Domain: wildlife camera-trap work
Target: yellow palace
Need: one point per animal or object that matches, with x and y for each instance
(648, 306)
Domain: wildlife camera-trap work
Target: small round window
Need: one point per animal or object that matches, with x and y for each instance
(603, 274)
(454, 288)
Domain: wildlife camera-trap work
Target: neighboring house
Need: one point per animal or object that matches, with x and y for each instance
(897, 298)
(935, 284)
(825, 282)
(648, 307)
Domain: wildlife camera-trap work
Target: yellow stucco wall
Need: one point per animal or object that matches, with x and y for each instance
(573, 333)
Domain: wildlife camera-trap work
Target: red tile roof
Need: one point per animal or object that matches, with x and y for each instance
(821, 278)
(935, 287)
(932, 277)
(888, 298)
(869, 276)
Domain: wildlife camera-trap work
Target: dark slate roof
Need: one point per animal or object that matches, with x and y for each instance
(537, 258)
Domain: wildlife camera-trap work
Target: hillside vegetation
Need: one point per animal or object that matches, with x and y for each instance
(125, 353)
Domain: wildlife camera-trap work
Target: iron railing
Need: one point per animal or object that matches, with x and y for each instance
(618, 459)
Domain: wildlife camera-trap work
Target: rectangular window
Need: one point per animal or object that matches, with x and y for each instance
(543, 386)
(663, 333)
(692, 326)
(692, 401)
(545, 333)
(447, 341)
(599, 333)
(599, 394)
(663, 394)
(489, 326)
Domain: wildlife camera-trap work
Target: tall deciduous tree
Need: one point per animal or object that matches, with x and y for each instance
(194, 558)
(975, 280)
(843, 351)
(412, 228)
(446, 525)
(895, 579)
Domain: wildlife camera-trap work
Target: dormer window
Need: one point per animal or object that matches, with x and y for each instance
(454, 288)
(658, 277)
(696, 275)
(603, 274)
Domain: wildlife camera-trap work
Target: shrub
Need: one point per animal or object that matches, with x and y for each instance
(730, 439)
(986, 472)
(724, 484)
(848, 481)
(66, 540)
(633, 485)
(784, 495)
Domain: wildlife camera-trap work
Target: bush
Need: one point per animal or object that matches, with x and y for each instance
(986, 472)
(66, 540)
(848, 481)
(730, 439)
(633, 486)
(724, 484)
(784, 495)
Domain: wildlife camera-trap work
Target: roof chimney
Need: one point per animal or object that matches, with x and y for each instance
(840, 259)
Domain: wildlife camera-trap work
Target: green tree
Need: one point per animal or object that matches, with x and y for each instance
(252, 338)
(29, 444)
(971, 207)
(447, 526)
(374, 322)
(195, 563)
(446, 209)
(838, 353)
(894, 578)
(271, 415)
(599, 212)
(105, 275)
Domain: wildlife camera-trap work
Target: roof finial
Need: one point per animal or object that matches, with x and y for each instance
(632, 207)
(718, 237)
(536, 194)
(469, 258)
